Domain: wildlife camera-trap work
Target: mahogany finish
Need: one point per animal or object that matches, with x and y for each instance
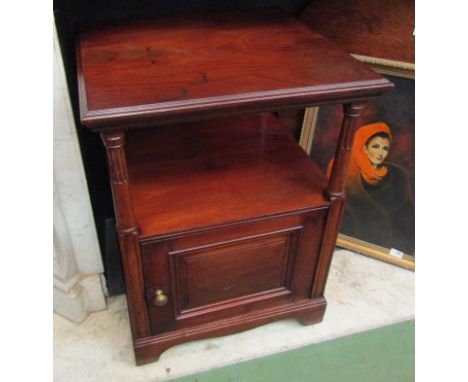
(336, 193)
(127, 231)
(189, 176)
(188, 67)
(230, 271)
(224, 224)
(382, 29)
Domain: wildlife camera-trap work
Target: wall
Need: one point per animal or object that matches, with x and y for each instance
(78, 270)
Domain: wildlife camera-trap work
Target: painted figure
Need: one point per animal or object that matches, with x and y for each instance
(379, 206)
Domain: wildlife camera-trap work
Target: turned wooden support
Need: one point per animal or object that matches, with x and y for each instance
(114, 143)
(336, 194)
(336, 185)
(127, 230)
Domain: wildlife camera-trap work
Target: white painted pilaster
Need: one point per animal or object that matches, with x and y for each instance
(78, 268)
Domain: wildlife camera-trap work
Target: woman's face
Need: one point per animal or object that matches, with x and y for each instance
(377, 150)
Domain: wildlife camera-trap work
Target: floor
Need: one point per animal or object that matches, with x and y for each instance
(362, 294)
(368, 356)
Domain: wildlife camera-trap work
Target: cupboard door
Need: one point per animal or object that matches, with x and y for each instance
(226, 272)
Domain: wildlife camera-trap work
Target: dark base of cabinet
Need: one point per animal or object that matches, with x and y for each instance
(306, 312)
(230, 278)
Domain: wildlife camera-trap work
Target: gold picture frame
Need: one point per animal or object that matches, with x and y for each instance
(386, 67)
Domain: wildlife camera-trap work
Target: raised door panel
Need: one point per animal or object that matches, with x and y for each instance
(223, 273)
(253, 269)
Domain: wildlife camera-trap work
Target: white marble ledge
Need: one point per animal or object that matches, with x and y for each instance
(362, 294)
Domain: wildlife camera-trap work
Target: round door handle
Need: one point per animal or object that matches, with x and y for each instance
(159, 298)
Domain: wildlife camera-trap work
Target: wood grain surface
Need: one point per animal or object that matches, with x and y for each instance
(382, 29)
(227, 219)
(201, 174)
(171, 69)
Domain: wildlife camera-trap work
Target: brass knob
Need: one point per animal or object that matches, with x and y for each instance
(159, 298)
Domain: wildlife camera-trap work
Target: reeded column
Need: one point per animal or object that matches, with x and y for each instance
(127, 230)
(336, 193)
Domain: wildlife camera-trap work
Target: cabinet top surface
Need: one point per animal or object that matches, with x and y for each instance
(175, 68)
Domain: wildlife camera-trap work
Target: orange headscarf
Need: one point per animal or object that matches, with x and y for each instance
(360, 164)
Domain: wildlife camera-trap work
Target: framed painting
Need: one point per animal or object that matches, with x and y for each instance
(379, 215)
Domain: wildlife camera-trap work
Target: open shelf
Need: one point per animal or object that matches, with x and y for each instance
(201, 174)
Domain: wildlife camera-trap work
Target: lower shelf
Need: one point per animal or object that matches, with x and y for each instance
(212, 172)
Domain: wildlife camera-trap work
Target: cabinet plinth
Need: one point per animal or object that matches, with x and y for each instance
(224, 222)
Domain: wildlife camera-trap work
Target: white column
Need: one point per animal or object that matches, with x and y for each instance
(78, 269)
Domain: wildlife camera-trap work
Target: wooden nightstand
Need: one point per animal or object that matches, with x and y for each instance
(224, 223)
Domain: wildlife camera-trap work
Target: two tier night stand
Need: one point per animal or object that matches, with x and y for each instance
(224, 222)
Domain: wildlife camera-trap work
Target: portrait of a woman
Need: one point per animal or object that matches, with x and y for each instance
(379, 205)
